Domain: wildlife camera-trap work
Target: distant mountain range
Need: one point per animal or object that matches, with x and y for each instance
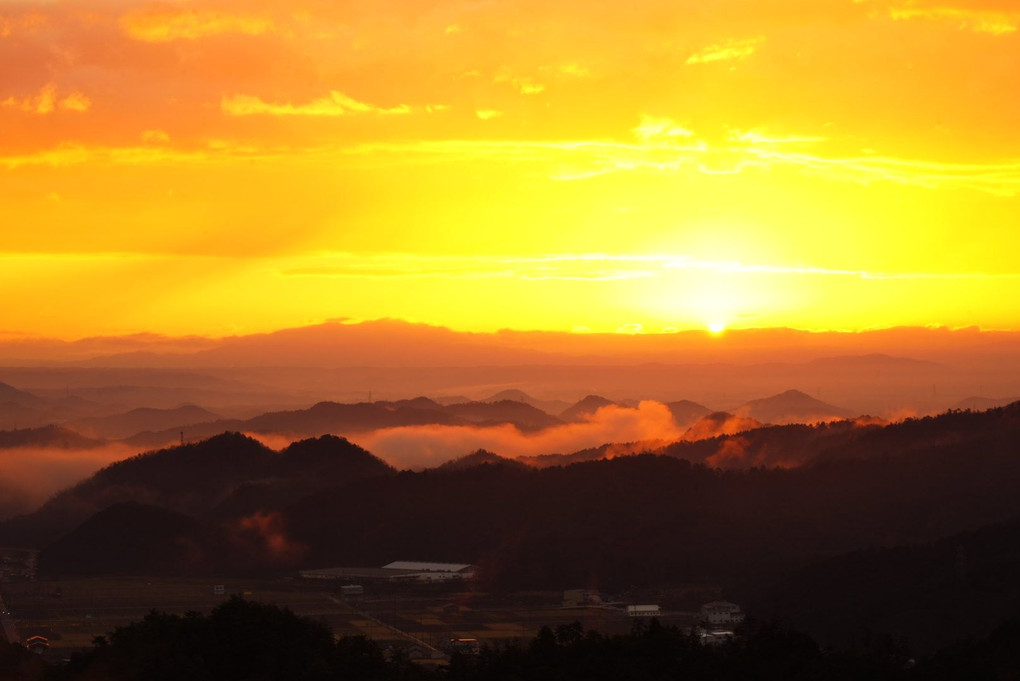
(390, 342)
(47, 436)
(142, 419)
(153, 427)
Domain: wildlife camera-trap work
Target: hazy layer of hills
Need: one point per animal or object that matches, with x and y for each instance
(148, 426)
(888, 372)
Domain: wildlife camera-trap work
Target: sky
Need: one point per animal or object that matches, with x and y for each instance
(219, 167)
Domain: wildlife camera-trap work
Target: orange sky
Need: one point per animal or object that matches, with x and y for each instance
(218, 167)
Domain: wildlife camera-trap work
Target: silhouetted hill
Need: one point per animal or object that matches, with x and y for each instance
(346, 419)
(329, 458)
(982, 403)
(875, 361)
(416, 403)
(9, 393)
(686, 413)
(130, 538)
(792, 406)
(143, 419)
(522, 415)
(447, 400)
(956, 588)
(324, 417)
(608, 450)
(584, 523)
(720, 423)
(228, 472)
(46, 436)
(548, 406)
(585, 408)
(480, 458)
(20, 409)
(786, 446)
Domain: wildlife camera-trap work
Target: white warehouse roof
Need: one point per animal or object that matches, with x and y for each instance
(426, 567)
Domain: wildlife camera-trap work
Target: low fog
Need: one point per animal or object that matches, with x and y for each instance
(417, 447)
(31, 475)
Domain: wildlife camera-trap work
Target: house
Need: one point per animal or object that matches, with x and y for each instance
(352, 592)
(643, 611)
(721, 614)
(464, 646)
(577, 598)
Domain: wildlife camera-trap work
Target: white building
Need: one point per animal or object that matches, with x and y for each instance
(721, 614)
(643, 611)
(432, 572)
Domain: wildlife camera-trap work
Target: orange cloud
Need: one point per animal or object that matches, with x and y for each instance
(980, 21)
(427, 446)
(727, 51)
(336, 104)
(37, 473)
(161, 25)
(47, 101)
(28, 23)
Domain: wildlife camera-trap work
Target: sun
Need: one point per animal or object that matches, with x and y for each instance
(717, 327)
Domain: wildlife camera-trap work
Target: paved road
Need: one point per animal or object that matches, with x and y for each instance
(7, 622)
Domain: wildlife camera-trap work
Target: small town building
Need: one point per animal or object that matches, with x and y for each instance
(579, 598)
(721, 614)
(643, 611)
(401, 570)
(352, 592)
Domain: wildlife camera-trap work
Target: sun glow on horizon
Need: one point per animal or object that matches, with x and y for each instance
(556, 169)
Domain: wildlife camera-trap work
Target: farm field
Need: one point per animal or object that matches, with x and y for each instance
(72, 612)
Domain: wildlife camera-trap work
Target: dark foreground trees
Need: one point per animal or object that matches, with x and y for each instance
(240, 640)
(247, 641)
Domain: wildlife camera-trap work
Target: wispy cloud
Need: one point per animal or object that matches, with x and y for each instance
(334, 104)
(27, 22)
(660, 147)
(592, 267)
(726, 51)
(161, 24)
(978, 20)
(652, 127)
(47, 101)
(524, 85)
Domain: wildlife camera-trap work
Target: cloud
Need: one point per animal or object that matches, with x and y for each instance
(429, 446)
(727, 51)
(571, 267)
(162, 24)
(979, 21)
(47, 101)
(335, 104)
(34, 474)
(488, 114)
(665, 149)
(525, 86)
(652, 127)
(265, 535)
(28, 22)
(155, 136)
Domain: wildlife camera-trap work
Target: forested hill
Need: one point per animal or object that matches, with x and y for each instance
(632, 520)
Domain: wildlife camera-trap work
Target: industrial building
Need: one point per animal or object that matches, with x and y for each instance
(400, 570)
